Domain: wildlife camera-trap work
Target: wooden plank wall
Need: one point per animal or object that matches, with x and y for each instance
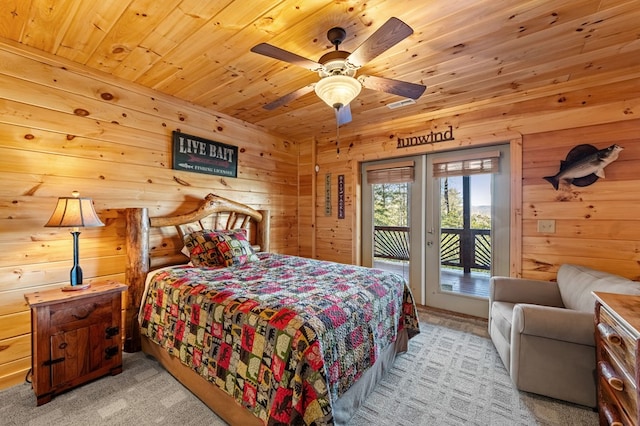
(63, 128)
(596, 225)
(118, 155)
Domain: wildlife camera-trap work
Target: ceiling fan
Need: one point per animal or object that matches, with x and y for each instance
(338, 85)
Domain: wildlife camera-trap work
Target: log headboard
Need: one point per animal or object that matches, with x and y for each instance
(168, 232)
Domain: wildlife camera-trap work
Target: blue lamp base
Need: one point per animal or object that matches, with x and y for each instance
(75, 276)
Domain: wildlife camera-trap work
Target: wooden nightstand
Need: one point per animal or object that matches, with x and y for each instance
(76, 337)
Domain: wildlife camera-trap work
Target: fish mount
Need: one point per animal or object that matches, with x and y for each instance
(584, 165)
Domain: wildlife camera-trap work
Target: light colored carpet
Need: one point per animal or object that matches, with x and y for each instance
(451, 375)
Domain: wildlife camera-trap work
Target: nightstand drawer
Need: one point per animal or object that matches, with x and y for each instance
(92, 310)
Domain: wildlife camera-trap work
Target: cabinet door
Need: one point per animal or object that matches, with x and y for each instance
(79, 352)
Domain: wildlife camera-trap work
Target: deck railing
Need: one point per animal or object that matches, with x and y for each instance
(468, 249)
(391, 242)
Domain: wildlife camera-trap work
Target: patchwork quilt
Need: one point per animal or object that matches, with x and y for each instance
(285, 336)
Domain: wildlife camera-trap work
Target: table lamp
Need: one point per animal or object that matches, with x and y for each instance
(74, 212)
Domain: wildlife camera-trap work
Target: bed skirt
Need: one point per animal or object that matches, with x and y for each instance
(350, 401)
(233, 413)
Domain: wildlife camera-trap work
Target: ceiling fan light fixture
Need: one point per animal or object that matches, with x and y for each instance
(338, 90)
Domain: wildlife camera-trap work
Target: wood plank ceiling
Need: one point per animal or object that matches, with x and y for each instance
(468, 53)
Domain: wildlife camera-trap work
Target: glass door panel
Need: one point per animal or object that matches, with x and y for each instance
(391, 227)
(393, 222)
(467, 230)
(465, 234)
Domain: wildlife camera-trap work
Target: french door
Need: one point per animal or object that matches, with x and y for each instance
(457, 225)
(393, 220)
(467, 227)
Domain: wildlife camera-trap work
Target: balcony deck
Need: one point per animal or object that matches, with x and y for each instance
(452, 280)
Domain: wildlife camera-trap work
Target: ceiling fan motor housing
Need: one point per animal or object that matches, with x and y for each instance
(335, 63)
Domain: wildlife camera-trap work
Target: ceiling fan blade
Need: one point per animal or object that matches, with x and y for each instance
(388, 35)
(286, 56)
(289, 97)
(396, 87)
(343, 115)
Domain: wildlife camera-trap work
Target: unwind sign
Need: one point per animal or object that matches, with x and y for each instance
(199, 155)
(432, 137)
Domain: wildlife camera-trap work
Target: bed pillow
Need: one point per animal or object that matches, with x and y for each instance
(219, 248)
(234, 249)
(200, 248)
(186, 250)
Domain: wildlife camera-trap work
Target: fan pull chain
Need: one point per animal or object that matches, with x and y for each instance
(337, 139)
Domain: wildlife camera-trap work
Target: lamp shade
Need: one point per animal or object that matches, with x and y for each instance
(338, 90)
(74, 212)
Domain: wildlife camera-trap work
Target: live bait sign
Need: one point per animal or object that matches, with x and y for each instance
(195, 154)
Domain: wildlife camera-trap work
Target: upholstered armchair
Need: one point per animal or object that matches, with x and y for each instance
(544, 331)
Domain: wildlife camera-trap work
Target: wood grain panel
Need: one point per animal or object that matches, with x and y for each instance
(616, 249)
(33, 275)
(14, 372)
(595, 225)
(596, 229)
(88, 28)
(128, 32)
(46, 24)
(118, 155)
(15, 324)
(14, 348)
(544, 266)
(490, 75)
(469, 55)
(19, 11)
(581, 210)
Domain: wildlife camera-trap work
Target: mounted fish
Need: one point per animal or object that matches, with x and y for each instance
(584, 165)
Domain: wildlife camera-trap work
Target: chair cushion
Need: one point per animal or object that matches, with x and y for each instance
(501, 317)
(577, 282)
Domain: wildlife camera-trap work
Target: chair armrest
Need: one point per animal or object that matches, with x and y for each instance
(520, 290)
(554, 323)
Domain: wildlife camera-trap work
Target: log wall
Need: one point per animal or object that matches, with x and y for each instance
(63, 128)
(596, 225)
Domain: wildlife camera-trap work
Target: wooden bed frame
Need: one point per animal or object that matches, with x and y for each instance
(221, 213)
(167, 233)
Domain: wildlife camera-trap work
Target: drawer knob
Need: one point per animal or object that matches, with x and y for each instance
(610, 375)
(609, 334)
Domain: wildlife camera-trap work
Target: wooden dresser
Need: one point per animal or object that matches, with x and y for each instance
(76, 337)
(617, 320)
